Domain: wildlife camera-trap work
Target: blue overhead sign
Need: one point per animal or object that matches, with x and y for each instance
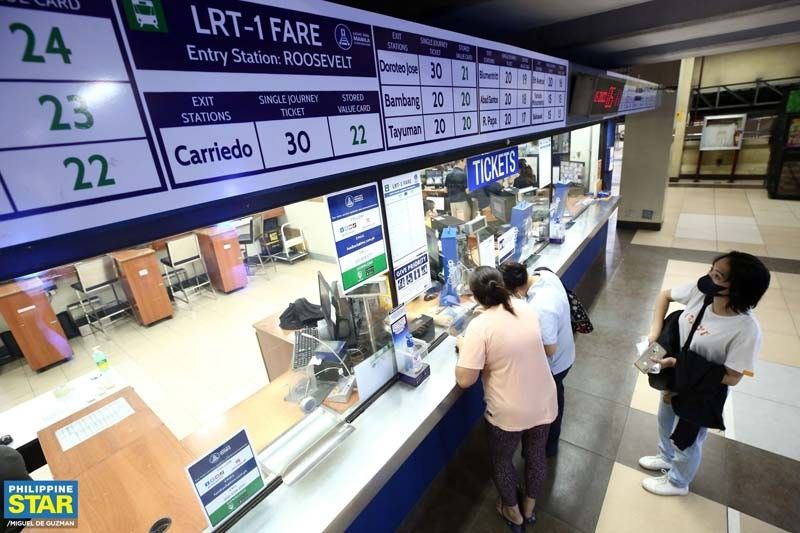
(487, 168)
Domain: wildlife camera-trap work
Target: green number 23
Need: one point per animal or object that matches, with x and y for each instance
(80, 108)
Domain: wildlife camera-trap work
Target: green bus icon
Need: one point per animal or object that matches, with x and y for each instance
(145, 15)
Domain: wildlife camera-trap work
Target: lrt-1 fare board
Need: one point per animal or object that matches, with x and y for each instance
(120, 109)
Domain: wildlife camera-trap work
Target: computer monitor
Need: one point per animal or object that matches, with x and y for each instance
(524, 193)
(434, 177)
(326, 303)
(433, 252)
(501, 206)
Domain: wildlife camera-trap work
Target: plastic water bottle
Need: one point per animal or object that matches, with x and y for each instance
(104, 381)
(100, 359)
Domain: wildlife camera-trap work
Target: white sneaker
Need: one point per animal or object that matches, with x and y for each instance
(661, 486)
(654, 462)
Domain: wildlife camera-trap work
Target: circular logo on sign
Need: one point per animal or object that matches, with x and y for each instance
(343, 37)
(348, 201)
(214, 458)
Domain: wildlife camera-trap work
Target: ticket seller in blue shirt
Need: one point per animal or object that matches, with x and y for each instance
(545, 292)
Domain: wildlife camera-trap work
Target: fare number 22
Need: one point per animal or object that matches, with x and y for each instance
(80, 184)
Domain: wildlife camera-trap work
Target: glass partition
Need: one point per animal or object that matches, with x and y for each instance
(242, 324)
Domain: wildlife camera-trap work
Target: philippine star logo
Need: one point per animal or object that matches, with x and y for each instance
(40, 503)
(343, 36)
(348, 201)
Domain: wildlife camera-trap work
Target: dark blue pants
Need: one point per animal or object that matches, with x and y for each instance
(551, 448)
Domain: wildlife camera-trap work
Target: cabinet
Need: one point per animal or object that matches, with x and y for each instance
(141, 279)
(220, 248)
(33, 323)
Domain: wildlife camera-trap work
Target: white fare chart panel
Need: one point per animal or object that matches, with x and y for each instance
(116, 109)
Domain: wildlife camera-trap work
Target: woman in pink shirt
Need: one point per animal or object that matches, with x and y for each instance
(505, 343)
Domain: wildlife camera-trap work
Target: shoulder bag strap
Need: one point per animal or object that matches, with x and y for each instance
(696, 324)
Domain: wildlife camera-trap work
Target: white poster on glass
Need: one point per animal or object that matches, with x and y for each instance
(405, 217)
(545, 162)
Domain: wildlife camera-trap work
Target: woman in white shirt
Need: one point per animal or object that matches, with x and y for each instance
(728, 335)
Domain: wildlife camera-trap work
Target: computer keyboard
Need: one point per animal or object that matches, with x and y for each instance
(304, 347)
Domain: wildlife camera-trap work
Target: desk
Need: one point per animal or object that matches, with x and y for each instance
(265, 414)
(276, 345)
(69, 464)
(129, 475)
(141, 279)
(220, 248)
(26, 310)
(419, 306)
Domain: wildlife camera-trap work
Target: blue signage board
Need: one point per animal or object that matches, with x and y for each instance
(487, 168)
(358, 234)
(227, 477)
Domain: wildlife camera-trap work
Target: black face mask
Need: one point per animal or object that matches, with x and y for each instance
(708, 287)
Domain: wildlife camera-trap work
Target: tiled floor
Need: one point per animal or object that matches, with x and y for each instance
(749, 479)
(201, 361)
(722, 219)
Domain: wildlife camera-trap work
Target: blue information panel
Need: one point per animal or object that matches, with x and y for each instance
(119, 109)
(358, 234)
(494, 166)
(226, 478)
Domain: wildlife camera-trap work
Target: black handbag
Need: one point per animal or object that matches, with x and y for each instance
(669, 339)
(577, 313)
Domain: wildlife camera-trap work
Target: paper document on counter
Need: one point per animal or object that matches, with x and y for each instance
(90, 425)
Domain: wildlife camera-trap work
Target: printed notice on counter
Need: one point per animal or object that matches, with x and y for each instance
(505, 245)
(486, 251)
(226, 478)
(405, 216)
(358, 234)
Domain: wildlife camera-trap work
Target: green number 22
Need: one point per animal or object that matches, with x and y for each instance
(356, 131)
(79, 183)
(55, 44)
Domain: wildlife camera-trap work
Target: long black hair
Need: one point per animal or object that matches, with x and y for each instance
(487, 286)
(749, 279)
(515, 275)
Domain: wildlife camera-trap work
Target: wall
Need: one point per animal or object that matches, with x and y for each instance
(682, 99)
(648, 137)
(738, 67)
(753, 159)
(584, 144)
(749, 65)
(312, 217)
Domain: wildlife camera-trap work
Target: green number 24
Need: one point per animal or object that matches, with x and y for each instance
(79, 183)
(55, 44)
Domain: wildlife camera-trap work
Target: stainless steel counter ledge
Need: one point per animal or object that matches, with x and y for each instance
(335, 492)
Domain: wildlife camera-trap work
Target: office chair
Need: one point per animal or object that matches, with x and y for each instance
(94, 276)
(269, 238)
(182, 253)
(251, 231)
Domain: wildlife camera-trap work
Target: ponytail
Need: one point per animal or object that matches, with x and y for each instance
(487, 286)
